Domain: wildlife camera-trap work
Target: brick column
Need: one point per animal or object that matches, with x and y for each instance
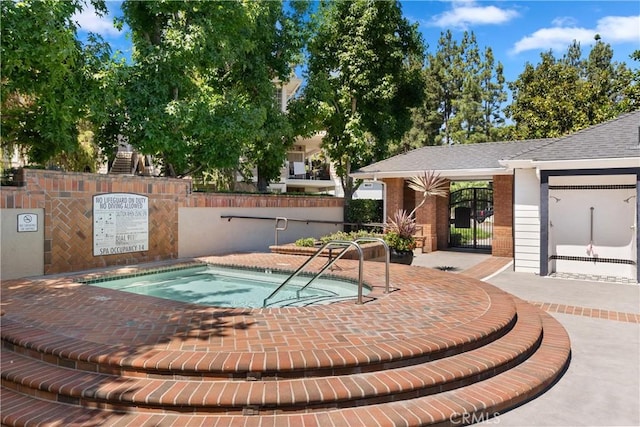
(502, 244)
(433, 216)
(394, 196)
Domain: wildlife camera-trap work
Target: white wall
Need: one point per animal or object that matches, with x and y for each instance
(203, 232)
(614, 234)
(526, 221)
(22, 253)
(369, 190)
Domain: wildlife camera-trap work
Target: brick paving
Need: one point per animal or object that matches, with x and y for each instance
(438, 345)
(597, 313)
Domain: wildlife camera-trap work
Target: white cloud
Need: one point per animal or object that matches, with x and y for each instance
(620, 29)
(88, 20)
(564, 21)
(466, 13)
(612, 29)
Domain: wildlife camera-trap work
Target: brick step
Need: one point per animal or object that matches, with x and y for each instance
(199, 365)
(32, 376)
(454, 407)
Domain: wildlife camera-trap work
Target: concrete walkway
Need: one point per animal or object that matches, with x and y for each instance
(602, 385)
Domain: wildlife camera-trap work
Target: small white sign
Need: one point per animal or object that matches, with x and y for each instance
(27, 222)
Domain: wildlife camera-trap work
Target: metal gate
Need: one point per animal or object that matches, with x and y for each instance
(471, 218)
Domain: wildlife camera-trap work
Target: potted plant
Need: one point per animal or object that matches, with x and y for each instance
(401, 228)
(399, 236)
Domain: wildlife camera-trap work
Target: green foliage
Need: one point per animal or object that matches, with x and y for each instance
(399, 243)
(199, 94)
(349, 236)
(459, 185)
(631, 91)
(469, 90)
(593, 90)
(364, 211)
(84, 158)
(49, 80)
(400, 231)
(466, 234)
(363, 77)
(306, 242)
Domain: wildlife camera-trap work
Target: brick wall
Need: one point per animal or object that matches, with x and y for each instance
(432, 217)
(67, 200)
(502, 244)
(395, 195)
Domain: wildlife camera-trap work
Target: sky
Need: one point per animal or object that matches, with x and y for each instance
(517, 31)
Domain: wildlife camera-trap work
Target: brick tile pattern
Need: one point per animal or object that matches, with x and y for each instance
(67, 200)
(596, 313)
(439, 346)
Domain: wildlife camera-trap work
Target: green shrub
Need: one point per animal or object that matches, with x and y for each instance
(399, 243)
(339, 235)
(364, 211)
(306, 242)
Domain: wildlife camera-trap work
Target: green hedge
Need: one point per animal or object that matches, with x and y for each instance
(363, 211)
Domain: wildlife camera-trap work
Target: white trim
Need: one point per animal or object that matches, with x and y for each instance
(624, 162)
(453, 174)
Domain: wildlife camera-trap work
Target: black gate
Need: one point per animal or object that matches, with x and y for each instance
(471, 218)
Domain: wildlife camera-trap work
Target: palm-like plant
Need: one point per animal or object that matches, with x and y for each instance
(400, 231)
(401, 228)
(429, 184)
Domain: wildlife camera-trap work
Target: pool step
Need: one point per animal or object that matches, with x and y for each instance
(438, 348)
(488, 396)
(286, 394)
(222, 365)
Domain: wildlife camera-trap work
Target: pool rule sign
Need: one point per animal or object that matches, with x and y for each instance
(120, 223)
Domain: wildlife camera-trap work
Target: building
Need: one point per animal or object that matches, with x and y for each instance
(565, 205)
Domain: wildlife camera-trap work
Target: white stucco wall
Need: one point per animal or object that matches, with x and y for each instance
(22, 253)
(614, 233)
(369, 190)
(203, 232)
(526, 221)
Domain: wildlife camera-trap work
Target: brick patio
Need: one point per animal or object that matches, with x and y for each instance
(436, 349)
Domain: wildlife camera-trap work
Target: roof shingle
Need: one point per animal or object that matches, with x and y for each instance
(618, 138)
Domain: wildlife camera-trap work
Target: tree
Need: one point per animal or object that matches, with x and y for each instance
(201, 87)
(446, 66)
(630, 87)
(560, 96)
(360, 82)
(470, 88)
(279, 39)
(49, 79)
(492, 84)
(426, 120)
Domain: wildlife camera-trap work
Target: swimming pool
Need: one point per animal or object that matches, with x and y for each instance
(232, 287)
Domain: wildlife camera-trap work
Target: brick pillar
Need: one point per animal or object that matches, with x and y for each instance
(502, 244)
(394, 196)
(433, 216)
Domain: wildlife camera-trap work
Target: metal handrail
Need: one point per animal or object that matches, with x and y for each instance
(387, 257)
(286, 223)
(307, 221)
(344, 243)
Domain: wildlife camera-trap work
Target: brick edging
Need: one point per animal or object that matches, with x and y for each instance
(597, 313)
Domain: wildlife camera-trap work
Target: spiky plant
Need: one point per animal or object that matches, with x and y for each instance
(429, 184)
(400, 230)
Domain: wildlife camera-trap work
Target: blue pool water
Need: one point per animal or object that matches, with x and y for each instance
(233, 287)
